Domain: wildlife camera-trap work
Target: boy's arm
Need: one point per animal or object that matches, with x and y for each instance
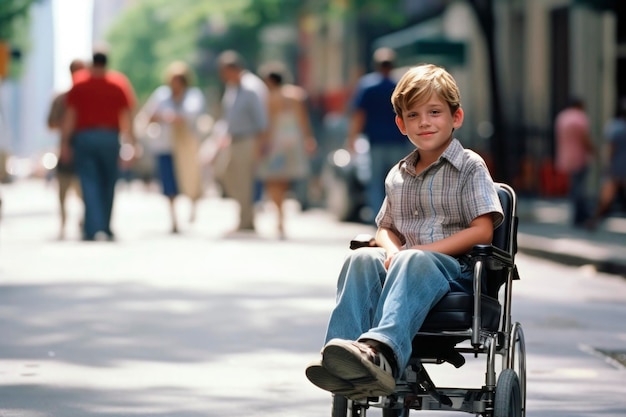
(479, 232)
(389, 241)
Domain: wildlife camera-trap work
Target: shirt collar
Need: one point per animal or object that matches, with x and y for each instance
(453, 154)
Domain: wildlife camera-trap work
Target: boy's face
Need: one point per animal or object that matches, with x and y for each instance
(429, 125)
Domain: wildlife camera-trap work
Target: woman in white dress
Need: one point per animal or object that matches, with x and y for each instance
(285, 150)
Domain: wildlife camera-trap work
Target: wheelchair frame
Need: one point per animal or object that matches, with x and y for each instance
(503, 393)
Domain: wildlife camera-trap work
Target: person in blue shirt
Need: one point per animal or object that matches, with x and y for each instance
(373, 117)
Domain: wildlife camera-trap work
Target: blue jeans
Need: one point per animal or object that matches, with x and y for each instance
(96, 154)
(389, 306)
(578, 197)
(165, 168)
(383, 158)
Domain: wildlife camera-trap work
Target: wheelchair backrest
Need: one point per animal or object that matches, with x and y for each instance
(504, 238)
(505, 235)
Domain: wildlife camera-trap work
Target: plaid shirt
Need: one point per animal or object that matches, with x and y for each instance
(441, 200)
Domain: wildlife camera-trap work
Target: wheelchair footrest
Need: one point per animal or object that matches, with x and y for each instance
(424, 381)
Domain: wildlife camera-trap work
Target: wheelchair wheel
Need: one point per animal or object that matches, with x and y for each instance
(508, 401)
(340, 406)
(395, 413)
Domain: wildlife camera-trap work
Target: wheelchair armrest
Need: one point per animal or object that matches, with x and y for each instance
(363, 240)
(496, 257)
(366, 240)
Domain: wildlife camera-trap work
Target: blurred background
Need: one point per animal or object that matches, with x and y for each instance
(517, 63)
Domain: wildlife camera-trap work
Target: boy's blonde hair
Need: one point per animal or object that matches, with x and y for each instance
(419, 83)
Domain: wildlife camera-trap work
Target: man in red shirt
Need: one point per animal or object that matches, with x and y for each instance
(99, 112)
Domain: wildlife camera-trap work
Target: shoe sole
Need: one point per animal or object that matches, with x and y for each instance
(324, 379)
(347, 363)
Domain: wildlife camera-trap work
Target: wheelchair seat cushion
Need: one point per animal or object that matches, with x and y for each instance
(455, 310)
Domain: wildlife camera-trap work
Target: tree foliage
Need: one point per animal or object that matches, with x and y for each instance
(14, 31)
(152, 33)
(11, 11)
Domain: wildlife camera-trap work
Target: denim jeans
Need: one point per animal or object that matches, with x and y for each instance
(389, 306)
(578, 197)
(96, 154)
(383, 158)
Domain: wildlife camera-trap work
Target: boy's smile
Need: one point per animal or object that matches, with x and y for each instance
(429, 125)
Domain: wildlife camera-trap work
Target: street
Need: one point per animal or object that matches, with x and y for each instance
(209, 324)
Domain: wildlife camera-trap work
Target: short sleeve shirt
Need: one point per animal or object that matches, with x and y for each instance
(244, 111)
(373, 96)
(98, 101)
(572, 128)
(441, 200)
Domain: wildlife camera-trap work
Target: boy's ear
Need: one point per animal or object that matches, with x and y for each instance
(457, 118)
(400, 124)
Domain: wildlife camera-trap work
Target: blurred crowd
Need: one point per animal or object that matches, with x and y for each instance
(262, 144)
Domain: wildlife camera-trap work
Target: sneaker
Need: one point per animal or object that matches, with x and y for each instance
(367, 370)
(322, 378)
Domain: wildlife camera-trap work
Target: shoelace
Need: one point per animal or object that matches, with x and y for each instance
(373, 356)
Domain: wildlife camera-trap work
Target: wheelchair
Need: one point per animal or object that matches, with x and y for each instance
(478, 324)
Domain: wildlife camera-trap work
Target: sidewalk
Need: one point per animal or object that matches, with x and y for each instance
(544, 231)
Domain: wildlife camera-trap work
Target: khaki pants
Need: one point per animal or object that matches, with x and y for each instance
(187, 163)
(238, 178)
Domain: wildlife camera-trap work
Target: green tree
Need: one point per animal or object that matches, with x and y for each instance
(11, 11)
(152, 33)
(13, 31)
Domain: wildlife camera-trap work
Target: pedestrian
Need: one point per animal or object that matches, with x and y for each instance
(64, 172)
(373, 117)
(98, 117)
(175, 108)
(440, 202)
(615, 135)
(289, 140)
(255, 83)
(244, 117)
(574, 151)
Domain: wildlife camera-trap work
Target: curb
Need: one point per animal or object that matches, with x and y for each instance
(573, 253)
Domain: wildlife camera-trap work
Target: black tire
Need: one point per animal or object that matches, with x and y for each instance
(395, 413)
(508, 400)
(340, 406)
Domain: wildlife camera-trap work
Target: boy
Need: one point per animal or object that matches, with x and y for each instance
(440, 202)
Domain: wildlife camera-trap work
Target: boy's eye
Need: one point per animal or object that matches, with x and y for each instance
(411, 115)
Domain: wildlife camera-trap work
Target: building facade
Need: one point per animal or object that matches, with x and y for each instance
(545, 52)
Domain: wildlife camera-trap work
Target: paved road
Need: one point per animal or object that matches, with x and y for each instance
(206, 325)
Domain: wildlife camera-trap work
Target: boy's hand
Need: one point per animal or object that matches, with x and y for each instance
(389, 258)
